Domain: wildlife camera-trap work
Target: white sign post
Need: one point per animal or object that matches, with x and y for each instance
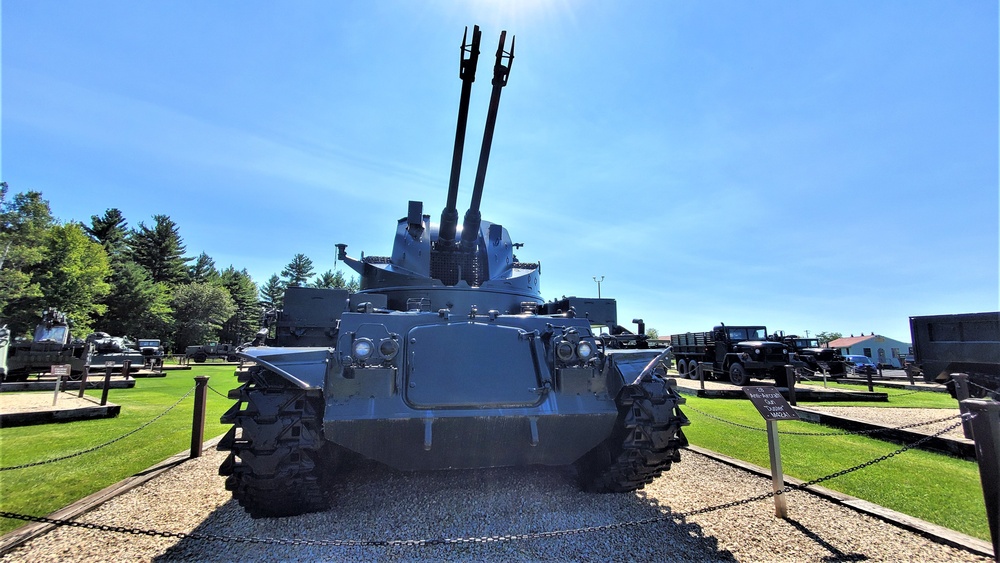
(773, 407)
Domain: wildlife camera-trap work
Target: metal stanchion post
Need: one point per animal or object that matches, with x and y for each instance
(55, 398)
(107, 382)
(790, 376)
(700, 370)
(986, 429)
(198, 422)
(962, 394)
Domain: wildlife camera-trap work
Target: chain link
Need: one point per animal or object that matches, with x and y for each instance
(99, 446)
(467, 540)
(217, 392)
(842, 433)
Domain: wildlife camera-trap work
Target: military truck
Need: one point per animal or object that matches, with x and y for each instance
(151, 351)
(212, 350)
(446, 358)
(737, 352)
(52, 344)
(816, 357)
(961, 343)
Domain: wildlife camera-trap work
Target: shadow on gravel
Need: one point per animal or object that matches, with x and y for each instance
(835, 554)
(375, 503)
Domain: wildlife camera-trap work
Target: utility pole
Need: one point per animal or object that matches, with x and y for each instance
(598, 285)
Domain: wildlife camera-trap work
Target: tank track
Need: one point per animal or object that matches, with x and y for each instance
(277, 457)
(646, 440)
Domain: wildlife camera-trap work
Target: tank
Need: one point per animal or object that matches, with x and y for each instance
(446, 358)
(114, 350)
(52, 344)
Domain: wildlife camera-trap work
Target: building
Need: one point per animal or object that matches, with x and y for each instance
(885, 352)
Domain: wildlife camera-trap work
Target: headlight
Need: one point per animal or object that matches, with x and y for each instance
(388, 348)
(362, 349)
(756, 351)
(585, 350)
(565, 351)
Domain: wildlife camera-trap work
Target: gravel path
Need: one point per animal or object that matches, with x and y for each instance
(376, 503)
(894, 417)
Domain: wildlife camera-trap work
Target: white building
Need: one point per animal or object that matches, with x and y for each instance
(885, 352)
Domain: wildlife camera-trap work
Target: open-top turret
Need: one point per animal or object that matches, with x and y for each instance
(446, 358)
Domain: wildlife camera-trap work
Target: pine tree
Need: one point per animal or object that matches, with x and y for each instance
(298, 271)
(137, 306)
(244, 323)
(272, 294)
(160, 250)
(111, 231)
(203, 270)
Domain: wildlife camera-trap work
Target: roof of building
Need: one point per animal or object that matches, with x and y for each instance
(854, 340)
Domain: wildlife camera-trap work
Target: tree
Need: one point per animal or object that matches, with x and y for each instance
(24, 222)
(652, 333)
(200, 309)
(825, 337)
(203, 270)
(137, 306)
(273, 293)
(335, 280)
(111, 232)
(244, 323)
(160, 250)
(298, 271)
(72, 275)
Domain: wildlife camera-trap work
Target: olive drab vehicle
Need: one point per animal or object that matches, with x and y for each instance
(447, 358)
(52, 344)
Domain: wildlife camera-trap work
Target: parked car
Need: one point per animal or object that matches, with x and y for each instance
(861, 365)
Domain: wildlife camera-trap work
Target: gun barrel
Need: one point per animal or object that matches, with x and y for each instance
(467, 72)
(470, 227)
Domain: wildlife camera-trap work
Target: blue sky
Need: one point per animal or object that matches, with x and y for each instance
(820, 166)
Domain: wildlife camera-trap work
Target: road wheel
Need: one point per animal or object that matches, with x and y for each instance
(199, 357)
(738, 375)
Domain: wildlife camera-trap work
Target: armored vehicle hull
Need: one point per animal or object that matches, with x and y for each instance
(447, 358)
(51, 345)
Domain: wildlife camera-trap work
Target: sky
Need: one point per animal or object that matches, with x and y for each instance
(823, 166)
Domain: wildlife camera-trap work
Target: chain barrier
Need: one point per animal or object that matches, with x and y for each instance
(987, 389)
(673, 516)
(97, 447)
(840, 433)
(217, 392)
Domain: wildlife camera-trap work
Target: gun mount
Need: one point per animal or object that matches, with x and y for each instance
(446, 358)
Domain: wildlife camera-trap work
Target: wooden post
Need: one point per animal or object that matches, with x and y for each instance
(126, 366)
(868, 374)
(790, 376)
(962, 394)
(777, 477)
(107, 382)
(198, 422)
(700, 367)
(83, 381)
(986, 429)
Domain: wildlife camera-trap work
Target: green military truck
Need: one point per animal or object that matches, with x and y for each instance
(738, 353)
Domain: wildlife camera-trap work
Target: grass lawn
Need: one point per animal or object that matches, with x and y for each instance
(46, 488)
(930, 486)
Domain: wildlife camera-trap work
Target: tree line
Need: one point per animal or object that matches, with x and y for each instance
(134, 282)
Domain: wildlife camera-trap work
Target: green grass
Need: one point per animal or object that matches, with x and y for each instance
(933, 487)
(46, 488)
(897, 397)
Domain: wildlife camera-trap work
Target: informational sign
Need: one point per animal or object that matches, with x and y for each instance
(770, 404)
(60, 370)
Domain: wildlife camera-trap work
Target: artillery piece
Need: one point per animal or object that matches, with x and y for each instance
(446, 358)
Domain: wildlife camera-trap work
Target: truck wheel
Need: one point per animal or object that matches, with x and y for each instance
(682, 368)
(199, 358)
(738, 375)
